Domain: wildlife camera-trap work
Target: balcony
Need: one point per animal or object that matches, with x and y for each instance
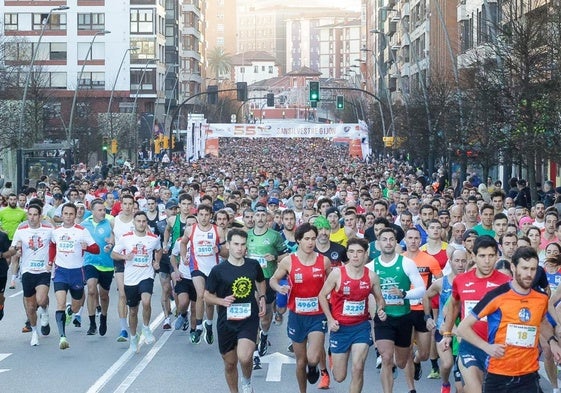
(462, 12)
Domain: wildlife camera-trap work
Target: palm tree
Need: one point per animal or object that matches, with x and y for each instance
(219, 62)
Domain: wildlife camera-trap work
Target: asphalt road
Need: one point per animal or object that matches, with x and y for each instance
(172, 364)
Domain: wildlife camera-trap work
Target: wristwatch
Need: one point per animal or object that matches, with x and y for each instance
(403, 293)
(427, 317)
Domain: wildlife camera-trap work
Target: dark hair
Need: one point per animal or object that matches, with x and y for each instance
(206, 207)
(35, 206)
(70, 205)
(556, 245)
(502, 264)
(485, 241)
(500, 216)
(235, 232)
(363, 243)
(140, 213)
(386, 230)
(302, 229)
(184, 196)
(381, 220)
(524, 253)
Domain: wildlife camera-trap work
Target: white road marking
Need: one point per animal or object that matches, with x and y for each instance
(143, 363)
(276, 360)
(2, 357)
(115, 367)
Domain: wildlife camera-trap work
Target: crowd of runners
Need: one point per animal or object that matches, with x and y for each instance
(294, 234)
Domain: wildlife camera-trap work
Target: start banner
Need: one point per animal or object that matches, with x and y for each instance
(286, 129)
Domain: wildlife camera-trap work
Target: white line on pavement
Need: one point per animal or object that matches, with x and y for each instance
(143, 363)
(115, 367)
(16, 294)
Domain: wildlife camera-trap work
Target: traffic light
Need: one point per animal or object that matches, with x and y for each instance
(166, 142)
(314, 104)
(114, 146)
(340, 102)
(270, 99)
(105, 143)
(158, 144)
(241, 88)
(314, 91)
(173, 142)
(212, 94)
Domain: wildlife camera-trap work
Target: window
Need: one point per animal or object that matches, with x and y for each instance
(57, 80)
(143, 79)
(10, 21)
(97, 52)
(52, 51)
(147, 49)
(270, 69)
(14, 51)
(255, 69)
(91, 21)
(92, 80)
(56, 21)
(142, 21)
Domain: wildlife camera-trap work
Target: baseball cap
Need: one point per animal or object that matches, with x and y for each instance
(260, 208)
(171, 204)
(273, 201)
(332, 210)
(57, 196)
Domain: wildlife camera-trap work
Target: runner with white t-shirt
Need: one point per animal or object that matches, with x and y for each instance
(141, 251)
(31, 242)
(70, 240)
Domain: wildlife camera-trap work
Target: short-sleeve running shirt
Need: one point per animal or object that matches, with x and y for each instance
(142, 247)
(35, 244)
(514, 320)
(69, 253)
(469, 289)
(268, 243)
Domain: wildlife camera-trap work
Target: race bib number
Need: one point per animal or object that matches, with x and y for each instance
(204, 249)
(37, 265)
(306, 305)
(354, 309)
(469, 305)
(65, 246)
(238, 311)
(391, 299)
(262, 261)
(141, 260)
(521, 335)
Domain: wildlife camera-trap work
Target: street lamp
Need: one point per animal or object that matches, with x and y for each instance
(28, 76)
(170, 66)
(109, 116)
(73, 107)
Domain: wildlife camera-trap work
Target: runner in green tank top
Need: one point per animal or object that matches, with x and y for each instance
(400, 282)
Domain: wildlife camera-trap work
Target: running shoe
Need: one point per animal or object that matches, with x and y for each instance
(92, 330)
(167, 324)
(247, 388)
(45, 326)
(185, 325)
(63, 343)
(447, 388)
(418, 371)
(434, 374)
(123, 336)
(148, 336)
(196, 336)
(68, 313)
(324, 380)
(312, 375)
(257, 363)
(77, 320)
(208, 336)
(26, 328)
(34, 339)
(263, 346)
(179, 322)
(102, 324)
(134, 344)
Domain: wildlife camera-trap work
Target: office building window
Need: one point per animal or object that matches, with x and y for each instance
(91, 21)
(142, 21)
(56, 21)
(92, 80)
(10, 21)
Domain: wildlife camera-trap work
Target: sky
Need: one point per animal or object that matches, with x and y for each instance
(348, 4)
